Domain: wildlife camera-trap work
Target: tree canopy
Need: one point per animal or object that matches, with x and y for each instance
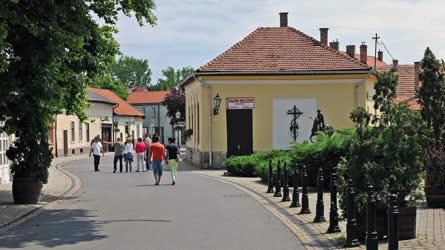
(172, 77)
(49, 52)
(131, 71)
(175, 101)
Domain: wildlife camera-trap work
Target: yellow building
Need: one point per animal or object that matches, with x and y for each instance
(259, 80)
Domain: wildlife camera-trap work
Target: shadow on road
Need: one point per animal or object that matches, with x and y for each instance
(56, 227)
(7, 200)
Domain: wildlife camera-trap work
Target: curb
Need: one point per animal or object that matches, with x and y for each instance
(73, 186)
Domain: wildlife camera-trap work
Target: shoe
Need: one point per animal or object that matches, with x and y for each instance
(156, 183)
(114, 171)
(137, 170)
(173, 183)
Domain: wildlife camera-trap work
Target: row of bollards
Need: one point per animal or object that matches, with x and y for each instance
(280, 182)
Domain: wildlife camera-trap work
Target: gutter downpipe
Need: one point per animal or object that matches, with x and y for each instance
(210, 119)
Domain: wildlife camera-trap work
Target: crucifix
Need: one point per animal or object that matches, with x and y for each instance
(294, 125)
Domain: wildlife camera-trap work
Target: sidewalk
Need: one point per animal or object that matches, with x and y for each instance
(60, 185)
(430, 222)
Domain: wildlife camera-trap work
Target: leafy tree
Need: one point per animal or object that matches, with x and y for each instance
(175, 101)
(132, 71)
(172, 77)
(431, 95)
(106, 81)
(49, 52)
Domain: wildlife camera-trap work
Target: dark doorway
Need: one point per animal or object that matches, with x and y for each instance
(65, 142)
(106, 136)
(239, 132)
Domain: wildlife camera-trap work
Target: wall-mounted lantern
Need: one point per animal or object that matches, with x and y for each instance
(178, 115)
(216, 104)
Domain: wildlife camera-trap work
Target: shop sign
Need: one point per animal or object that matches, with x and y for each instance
(240, 103)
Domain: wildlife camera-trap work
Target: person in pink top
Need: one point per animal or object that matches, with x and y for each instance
(140, 154)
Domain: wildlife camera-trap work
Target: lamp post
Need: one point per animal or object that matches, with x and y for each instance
(115, 124)
(178, 117)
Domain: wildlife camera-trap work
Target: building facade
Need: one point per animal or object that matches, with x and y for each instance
(5, 173)
(259, 81)
(156, 120)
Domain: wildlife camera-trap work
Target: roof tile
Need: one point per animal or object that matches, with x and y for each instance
(147, 97)
(123, 109)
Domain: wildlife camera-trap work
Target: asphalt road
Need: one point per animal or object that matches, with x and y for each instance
(126, 211)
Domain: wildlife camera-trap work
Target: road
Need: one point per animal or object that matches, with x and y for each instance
(126, 211)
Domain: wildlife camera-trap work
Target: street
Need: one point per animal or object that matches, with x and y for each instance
(126, 211)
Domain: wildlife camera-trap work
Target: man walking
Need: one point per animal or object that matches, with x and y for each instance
(172, 158)
(118, 154)
(147, 142)
(157, 153)
(140, 154)
(96, 150)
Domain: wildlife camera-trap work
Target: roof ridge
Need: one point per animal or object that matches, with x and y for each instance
(334, 51)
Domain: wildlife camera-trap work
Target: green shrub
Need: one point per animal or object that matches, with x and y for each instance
(241, 165)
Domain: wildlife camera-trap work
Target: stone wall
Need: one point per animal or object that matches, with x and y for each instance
(201, 159)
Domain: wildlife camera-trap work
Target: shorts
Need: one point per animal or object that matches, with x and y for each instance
(157, 167)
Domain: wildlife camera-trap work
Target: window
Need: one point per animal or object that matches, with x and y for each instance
(4, 145)
(87, 131)
(73, 136)
(127, 131)
(80, 131)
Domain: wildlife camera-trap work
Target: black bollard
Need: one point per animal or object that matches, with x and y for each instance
(372, 240)
(351, 226)
(270, 179)
(295, 195)
(393, 223)
(304, 197)
(333, 213)
(278, 182)
(285, 184)
(319, 212)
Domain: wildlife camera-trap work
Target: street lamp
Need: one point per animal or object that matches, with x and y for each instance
(178, 117)
(217, 104)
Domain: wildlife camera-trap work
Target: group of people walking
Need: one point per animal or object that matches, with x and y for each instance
(148, 152)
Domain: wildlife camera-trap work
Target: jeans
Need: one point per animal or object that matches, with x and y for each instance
(96, 162)
(140, 161)
(118, 158)
(157, 167)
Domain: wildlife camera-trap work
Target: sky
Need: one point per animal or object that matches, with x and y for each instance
(193, 32)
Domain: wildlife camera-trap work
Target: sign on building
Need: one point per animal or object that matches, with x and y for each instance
(240, 103)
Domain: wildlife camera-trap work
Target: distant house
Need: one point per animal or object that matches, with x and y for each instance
(127, 119)
(70, 136)
(156, 120)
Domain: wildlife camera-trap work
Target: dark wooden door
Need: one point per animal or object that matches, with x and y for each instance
(65, 142)
(239, 132)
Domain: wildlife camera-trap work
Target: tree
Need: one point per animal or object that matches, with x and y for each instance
(50, 51)
(132, 71)
(175, 101)
(431, 96)
(172, 77)
(106, 81)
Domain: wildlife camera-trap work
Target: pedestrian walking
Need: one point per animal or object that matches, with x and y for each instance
(172, 158)
(128, 154)
(119, 148)
(147, 142)
(157, 153)
(96, 150)
(140, 149)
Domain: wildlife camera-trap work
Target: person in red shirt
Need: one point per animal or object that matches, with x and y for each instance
(140, 154)
(157, 153)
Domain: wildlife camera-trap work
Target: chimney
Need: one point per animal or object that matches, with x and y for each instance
(380, 56)
(416, 75)
(335, 45)
(324, 36)
(350, 50)
(395, 65)
(283, 19)
(364, 53)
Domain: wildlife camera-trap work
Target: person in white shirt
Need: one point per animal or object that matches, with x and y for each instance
(96, 150)
(128, 154)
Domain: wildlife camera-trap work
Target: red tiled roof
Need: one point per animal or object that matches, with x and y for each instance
(281, 49)
(371, 60)
(123, 109)
(406, 88)
(147, 97)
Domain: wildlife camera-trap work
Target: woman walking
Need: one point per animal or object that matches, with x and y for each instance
(128, 154)
(172, 158)
(140, 154)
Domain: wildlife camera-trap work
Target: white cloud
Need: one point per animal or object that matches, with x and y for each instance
(192, 32)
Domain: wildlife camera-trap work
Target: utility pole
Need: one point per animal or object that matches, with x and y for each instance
(376, 38)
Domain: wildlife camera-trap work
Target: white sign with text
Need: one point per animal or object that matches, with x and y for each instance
(240, 103)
